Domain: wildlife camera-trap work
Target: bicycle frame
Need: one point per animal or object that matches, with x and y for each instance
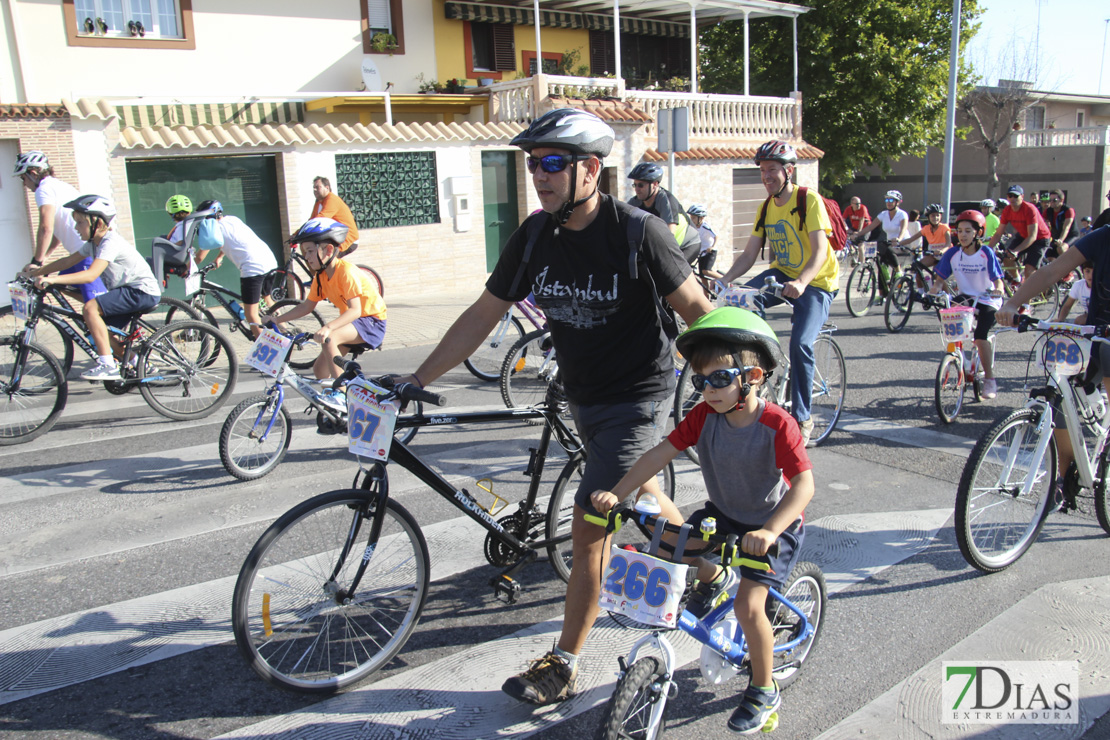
(65, 317)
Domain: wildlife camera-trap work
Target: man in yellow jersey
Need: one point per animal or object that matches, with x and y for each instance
(802, 261)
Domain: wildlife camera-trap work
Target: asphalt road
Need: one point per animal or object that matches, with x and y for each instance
(122, 532)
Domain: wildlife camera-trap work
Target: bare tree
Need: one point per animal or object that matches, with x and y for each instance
(996, 112)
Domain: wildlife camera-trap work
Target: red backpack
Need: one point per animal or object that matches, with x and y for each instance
(839, 236)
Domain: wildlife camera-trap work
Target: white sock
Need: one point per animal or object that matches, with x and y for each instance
(569, 658)
(107, 360)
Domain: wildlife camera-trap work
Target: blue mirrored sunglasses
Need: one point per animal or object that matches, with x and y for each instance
(552, 162)
(718, 378)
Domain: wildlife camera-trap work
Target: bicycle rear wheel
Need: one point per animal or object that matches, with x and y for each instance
(862, 284)
(295, 619)
(375, 278)
(560, 513)
(899, 304)
(685, 399)
(187, 370)
(830, 382)
(628, 714)
(806, 590)
(304, 358)
(528, 368)
(243, 452)
(33, 391)
(948, 392)
(485, 362)
(996, 520)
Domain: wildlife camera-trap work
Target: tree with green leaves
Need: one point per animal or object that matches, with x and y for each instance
(873, 75)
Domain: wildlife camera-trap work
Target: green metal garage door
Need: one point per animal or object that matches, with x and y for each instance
(246, 186)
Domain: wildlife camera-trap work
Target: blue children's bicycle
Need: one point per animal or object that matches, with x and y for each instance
(635, 593)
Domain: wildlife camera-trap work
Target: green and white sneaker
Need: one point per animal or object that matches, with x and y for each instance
(757, 708)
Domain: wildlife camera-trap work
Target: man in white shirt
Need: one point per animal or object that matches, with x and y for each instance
(56, 224)
(247, 252)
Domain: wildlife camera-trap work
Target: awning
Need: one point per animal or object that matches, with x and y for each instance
(638, 26)
(212, 114)
(520, 16)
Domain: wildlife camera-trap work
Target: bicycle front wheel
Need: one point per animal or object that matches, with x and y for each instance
(899, 304)
(949, 389)
(300, 620)
(830, 382)
(243, 451)
(528, 368)
(187, 370)
(1046, 305)
(33, 391)
(862, 284)
(485, 363)
(304, 358)
(560, 513)
(806, 590)
(628, 714)
(686, 397)
(996, 518)
(47, 335)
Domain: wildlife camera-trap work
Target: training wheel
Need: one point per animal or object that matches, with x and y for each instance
(772, 722)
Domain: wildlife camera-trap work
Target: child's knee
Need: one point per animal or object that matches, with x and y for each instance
(751, 603)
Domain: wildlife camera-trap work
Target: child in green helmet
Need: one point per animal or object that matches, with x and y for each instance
(758, 476)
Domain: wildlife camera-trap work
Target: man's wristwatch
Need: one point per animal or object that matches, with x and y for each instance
(36, 262)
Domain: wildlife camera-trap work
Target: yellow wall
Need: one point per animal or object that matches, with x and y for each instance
(451, 55)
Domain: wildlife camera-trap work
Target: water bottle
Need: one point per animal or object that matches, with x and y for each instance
(238, 311)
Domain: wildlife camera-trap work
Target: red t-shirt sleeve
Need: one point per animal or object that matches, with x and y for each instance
(688, 431)
(790, 451)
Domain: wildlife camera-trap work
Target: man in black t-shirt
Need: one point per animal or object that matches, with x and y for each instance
(609, 332)
(658, 201)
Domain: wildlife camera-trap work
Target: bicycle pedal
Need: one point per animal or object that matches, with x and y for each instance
(505, 588)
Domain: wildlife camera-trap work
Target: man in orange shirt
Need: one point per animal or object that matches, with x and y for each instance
(330, 205)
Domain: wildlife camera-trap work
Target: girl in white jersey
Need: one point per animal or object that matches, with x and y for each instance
(978, 276)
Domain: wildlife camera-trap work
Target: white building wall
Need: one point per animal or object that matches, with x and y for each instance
(243, 48)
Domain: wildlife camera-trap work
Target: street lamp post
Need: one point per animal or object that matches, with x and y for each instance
(1102, 67)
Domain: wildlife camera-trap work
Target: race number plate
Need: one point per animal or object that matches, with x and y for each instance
(270, 350)
(738, 297)
(21, 302)
(643, 588)
(370, 421)
(1065, 354)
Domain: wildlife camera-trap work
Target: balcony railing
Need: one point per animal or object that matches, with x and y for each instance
(712, 117)
(1089, 136)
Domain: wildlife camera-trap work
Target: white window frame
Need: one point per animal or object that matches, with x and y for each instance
(127, 11)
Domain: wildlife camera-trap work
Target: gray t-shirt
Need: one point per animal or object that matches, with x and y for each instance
(745, 469)
(125, 265)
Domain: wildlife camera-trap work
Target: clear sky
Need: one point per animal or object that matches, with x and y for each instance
(1070, 43)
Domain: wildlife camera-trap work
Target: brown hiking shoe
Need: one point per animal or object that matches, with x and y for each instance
(547, 681)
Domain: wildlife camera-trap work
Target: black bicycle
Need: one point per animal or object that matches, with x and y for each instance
(333, 589)
(302, 358)
(184, 370)
(910, 288)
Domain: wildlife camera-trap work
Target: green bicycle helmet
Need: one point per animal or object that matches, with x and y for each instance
(178, 203)
(733, 325)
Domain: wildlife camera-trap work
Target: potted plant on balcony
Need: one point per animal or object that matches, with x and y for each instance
(383, 42)
(455, 86)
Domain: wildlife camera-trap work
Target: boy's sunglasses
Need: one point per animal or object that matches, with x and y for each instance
(718, 378)
(553, 162)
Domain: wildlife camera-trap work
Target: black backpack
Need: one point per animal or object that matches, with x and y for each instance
(634, 223)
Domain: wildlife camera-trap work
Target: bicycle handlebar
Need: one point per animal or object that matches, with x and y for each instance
(404, 391)
(730, 552)
(1099, 333)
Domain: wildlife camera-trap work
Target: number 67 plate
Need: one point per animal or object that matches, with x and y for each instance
(370, 421)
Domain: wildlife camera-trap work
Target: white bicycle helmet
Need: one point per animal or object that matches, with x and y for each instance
(896, 194)
(986, 203)
(31, 160)
(93, 206)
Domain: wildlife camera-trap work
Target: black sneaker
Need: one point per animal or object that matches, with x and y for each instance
(705, 597)
(756, 709)
(548, 680)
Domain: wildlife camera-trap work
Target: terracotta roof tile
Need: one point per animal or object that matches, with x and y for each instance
(618, 111)
(805, 151)
(28, 110)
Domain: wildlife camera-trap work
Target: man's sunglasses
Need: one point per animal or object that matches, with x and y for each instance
(718, 378)
(553, 162)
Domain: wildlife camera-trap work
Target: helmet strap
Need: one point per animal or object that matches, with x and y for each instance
(785, 182)
(563, 214)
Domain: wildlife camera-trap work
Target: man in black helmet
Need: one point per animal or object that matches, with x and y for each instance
(612, 334)
(651, 196)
